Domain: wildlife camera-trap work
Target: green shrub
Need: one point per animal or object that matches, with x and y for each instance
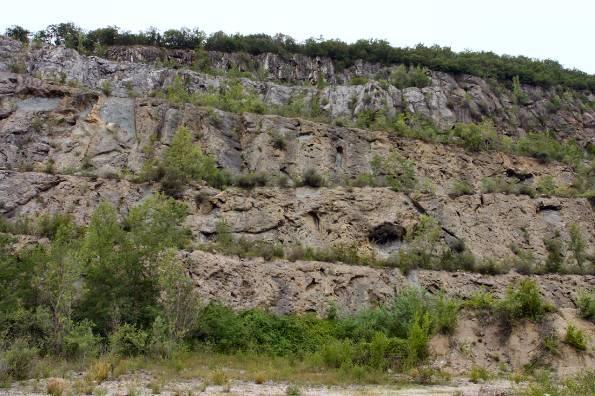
(523, 301)
(18, 360)
(162, 341)
(336, 354)
(546, 186)
(251, 180)
(479, 374)
(178, 299)
(523, 261)
(495, 185)
(445, 314)
(312, 178)
(545, 147)
(173, 182)
(577, 246)
(279, 142)
(576, 338)
(582, 383)
(293, 390)
(18, 33)
(586, 305)
(120, 261)
(106, 88)
(476, 137)
(366, 179)
(128, 340)
(415, 76)
(365, 118)
(223, 234)
(176, 92)
(555, 255)
(397, 171)
(418, 339)
(481, 300)
(550, 343)
(80, 342)
(461, 187)
(182, 162)
(186, 157)
(358, 80)
(518, 96)
(233, 98)
(17, 67)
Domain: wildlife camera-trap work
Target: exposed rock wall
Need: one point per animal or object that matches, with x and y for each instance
(307, 286)
(449, 99)
(64, 146)
(318, 217)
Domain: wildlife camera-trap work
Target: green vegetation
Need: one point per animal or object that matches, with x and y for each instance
(116, 285)
(479, 374)
(106, 88)
(18, 33)
(415, 76)
(576, 338)
(523, 301)
(483, 64)
(18, 68)
(577, 246)
(481, 300)
(580, 384)
(183, 162)
(358, 80)
(234, 97)
(461, 187)
(422, 250)
(555, 255)
(312, 178)
(586, 305)
(546, 185)
(500, 184)
(65, 297)
(395, 171)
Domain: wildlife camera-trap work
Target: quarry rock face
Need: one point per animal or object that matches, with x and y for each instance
(65, 146)
(308, 286)
(449, 98)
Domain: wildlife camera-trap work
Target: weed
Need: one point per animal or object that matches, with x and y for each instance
(99, 371)
(312, 178)
(576, 337)
(479, 374)
(523, 301)
(56, 386)
(293, 390)
(585, 303)
(219, 377)
(461, 187)
(106, 88)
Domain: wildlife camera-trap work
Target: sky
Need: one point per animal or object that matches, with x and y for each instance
(563, 30)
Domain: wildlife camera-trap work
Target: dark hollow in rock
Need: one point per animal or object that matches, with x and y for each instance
(519, 175)
(386, 233)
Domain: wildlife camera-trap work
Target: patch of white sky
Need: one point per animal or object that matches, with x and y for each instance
(543, 29)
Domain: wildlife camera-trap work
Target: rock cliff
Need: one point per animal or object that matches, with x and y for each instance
(65, 146)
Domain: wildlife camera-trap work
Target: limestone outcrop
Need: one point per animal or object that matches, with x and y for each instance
(65, 146)
(449, 98)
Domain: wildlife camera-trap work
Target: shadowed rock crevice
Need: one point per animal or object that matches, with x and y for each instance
(386, 233)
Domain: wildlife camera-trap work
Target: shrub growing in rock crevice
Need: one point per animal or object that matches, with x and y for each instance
(184, 161)
(312, 178)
